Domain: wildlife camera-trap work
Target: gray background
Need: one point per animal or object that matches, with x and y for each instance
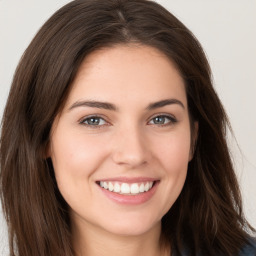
(227, 31)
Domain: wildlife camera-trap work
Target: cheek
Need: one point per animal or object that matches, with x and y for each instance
(174, 151)
(74, 157)
(173, 154)
(75, 160)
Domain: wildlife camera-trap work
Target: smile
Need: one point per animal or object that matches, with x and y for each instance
(129, 191)
(126, 188)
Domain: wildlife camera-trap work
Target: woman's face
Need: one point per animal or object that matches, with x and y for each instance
(121, 146)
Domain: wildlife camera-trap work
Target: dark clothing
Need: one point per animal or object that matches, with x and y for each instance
(249, 250)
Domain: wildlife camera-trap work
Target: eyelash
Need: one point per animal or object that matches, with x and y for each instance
(94, 126)
(171, 120)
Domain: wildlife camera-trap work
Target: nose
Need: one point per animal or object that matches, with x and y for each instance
(130, 148)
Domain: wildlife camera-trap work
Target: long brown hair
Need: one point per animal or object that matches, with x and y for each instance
(207, 217)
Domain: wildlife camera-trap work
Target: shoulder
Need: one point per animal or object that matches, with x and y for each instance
(249, 249)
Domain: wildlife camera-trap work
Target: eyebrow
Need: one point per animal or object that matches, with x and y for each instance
(110, 106)
(162, 103)
(94, 104)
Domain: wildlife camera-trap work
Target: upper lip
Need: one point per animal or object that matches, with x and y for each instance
(129, 179)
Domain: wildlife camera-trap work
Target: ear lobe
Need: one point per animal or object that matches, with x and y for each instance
(194, 136)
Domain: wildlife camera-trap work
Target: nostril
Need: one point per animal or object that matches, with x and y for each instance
(129, 159)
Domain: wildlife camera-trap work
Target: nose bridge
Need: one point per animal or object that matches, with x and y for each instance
(130, 146)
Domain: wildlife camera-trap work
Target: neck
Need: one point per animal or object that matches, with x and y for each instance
(90, 240)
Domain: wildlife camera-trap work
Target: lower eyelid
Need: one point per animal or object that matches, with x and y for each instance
(83, 120)
(171, 119)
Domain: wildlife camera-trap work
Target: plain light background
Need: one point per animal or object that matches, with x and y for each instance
(227, 32)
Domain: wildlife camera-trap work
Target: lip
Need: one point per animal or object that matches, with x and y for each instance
(130, 199)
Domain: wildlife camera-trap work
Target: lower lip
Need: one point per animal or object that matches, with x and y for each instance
(131, 199)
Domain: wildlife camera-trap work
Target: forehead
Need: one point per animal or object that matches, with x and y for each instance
(127, 72)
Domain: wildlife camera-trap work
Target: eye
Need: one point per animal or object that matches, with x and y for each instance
(93, 121)
(163, 120)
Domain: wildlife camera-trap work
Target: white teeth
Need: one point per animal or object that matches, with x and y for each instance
(110, 186)
(142, 187)
(105, 185)
(135, 188)
(146, 186)
(125, 188)
(117, 188)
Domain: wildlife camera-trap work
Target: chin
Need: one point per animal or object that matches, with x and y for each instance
(132, 227)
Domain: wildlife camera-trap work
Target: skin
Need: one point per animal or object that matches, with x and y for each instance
(127, 142)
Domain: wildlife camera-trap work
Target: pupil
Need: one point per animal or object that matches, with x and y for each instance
(93, 121)
(159, 120)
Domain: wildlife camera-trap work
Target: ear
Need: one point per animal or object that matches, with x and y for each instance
(47, 151)
(194, 136)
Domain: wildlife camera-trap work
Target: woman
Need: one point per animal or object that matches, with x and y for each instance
(120, 147)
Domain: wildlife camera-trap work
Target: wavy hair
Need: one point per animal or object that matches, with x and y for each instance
(207, 216)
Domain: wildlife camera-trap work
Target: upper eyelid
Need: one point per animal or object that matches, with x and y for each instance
(164, 115)
(81, 120)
